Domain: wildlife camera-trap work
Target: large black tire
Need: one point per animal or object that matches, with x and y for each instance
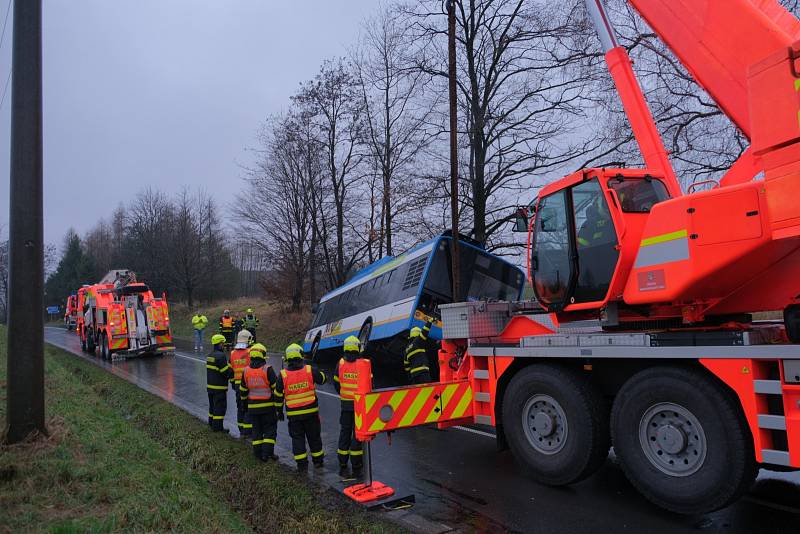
(90, 344)
(83, 343)
(315, 347)
(556, 424)
(363, 335)
(682, 440)
(105, 354)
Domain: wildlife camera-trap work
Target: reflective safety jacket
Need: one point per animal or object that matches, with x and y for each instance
(257, 388)
(296, 388)
(199, 322)
(218, 372)
(250, 322)
(416, 358)
(226, 323)
(345, 380)
(240, 359)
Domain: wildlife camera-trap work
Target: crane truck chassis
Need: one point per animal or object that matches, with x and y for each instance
(673, 372)
(692, 415)
(121, 316)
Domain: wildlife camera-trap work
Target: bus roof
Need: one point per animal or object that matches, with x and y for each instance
(382, 264)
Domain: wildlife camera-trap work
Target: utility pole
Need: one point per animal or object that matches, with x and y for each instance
(25, 402)
(451, 54)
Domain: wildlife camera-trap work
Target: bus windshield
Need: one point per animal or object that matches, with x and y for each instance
(482, 277)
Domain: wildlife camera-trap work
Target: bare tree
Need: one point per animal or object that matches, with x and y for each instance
(185, 260)
(333, 101)
(282, 227)
(395, 117)
(520, 111)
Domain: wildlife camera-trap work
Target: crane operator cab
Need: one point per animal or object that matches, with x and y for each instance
(584, 233)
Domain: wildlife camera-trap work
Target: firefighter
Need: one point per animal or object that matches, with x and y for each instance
(227, 325)
(597, 228)
(218, 372)
(296, 389)
(345, 380)
(239, 360)
(257, 390)
(250, 322)
(199, 323)
(415, 362)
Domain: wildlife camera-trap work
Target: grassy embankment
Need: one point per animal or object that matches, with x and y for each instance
(121, 459)
(278, 327)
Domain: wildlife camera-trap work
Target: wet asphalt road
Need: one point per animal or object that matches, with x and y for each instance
(461, 482)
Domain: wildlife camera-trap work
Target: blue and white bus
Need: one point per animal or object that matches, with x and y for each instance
(386, 299)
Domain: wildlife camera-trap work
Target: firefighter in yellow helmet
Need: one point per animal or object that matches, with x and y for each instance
(345, 380)
(257, 390)
(218, 371)
(296, 388)
(415, 362)
(250, 322)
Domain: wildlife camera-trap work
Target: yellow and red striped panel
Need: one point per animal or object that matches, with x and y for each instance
(390, 409)
(119, 344)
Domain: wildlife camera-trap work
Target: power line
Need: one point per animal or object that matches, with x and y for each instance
(5, 90)
(5, 21)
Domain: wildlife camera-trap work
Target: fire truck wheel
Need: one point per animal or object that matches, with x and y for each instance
(90, 341)
(682, 440)
(104, 355)
(83, 343)
(556, 423)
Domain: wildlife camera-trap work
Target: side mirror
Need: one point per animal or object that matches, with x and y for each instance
(521, 219)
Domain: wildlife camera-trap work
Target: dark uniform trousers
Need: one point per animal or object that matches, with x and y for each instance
(217, 406)
(242, 417)
(304, 428)
(349, 446)
(264, 432)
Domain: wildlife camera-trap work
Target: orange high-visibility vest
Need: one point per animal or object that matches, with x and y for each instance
(227, 322)
(348, 380)
(240, 360)
(298, 389)
(257, 383)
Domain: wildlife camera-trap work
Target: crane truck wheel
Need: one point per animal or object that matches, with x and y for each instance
(682, 440)
(556, 424)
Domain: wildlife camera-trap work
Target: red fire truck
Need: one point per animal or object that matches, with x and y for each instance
(71, 312)
(120, 316)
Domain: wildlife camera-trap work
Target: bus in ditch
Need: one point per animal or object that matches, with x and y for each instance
(384, 300)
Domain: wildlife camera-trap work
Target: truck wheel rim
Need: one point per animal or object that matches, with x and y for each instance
(673, 439)
(545, 424)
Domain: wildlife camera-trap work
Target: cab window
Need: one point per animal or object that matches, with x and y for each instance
(638, 195)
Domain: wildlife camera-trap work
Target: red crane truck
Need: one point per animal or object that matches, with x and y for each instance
(672, 370)
(121, 316)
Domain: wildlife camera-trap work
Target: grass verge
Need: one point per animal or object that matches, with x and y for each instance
(121, 459)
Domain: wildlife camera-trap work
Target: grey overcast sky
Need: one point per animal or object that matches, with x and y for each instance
(164, 93)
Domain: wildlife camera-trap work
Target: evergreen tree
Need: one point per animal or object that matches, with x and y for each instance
(75, 269)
